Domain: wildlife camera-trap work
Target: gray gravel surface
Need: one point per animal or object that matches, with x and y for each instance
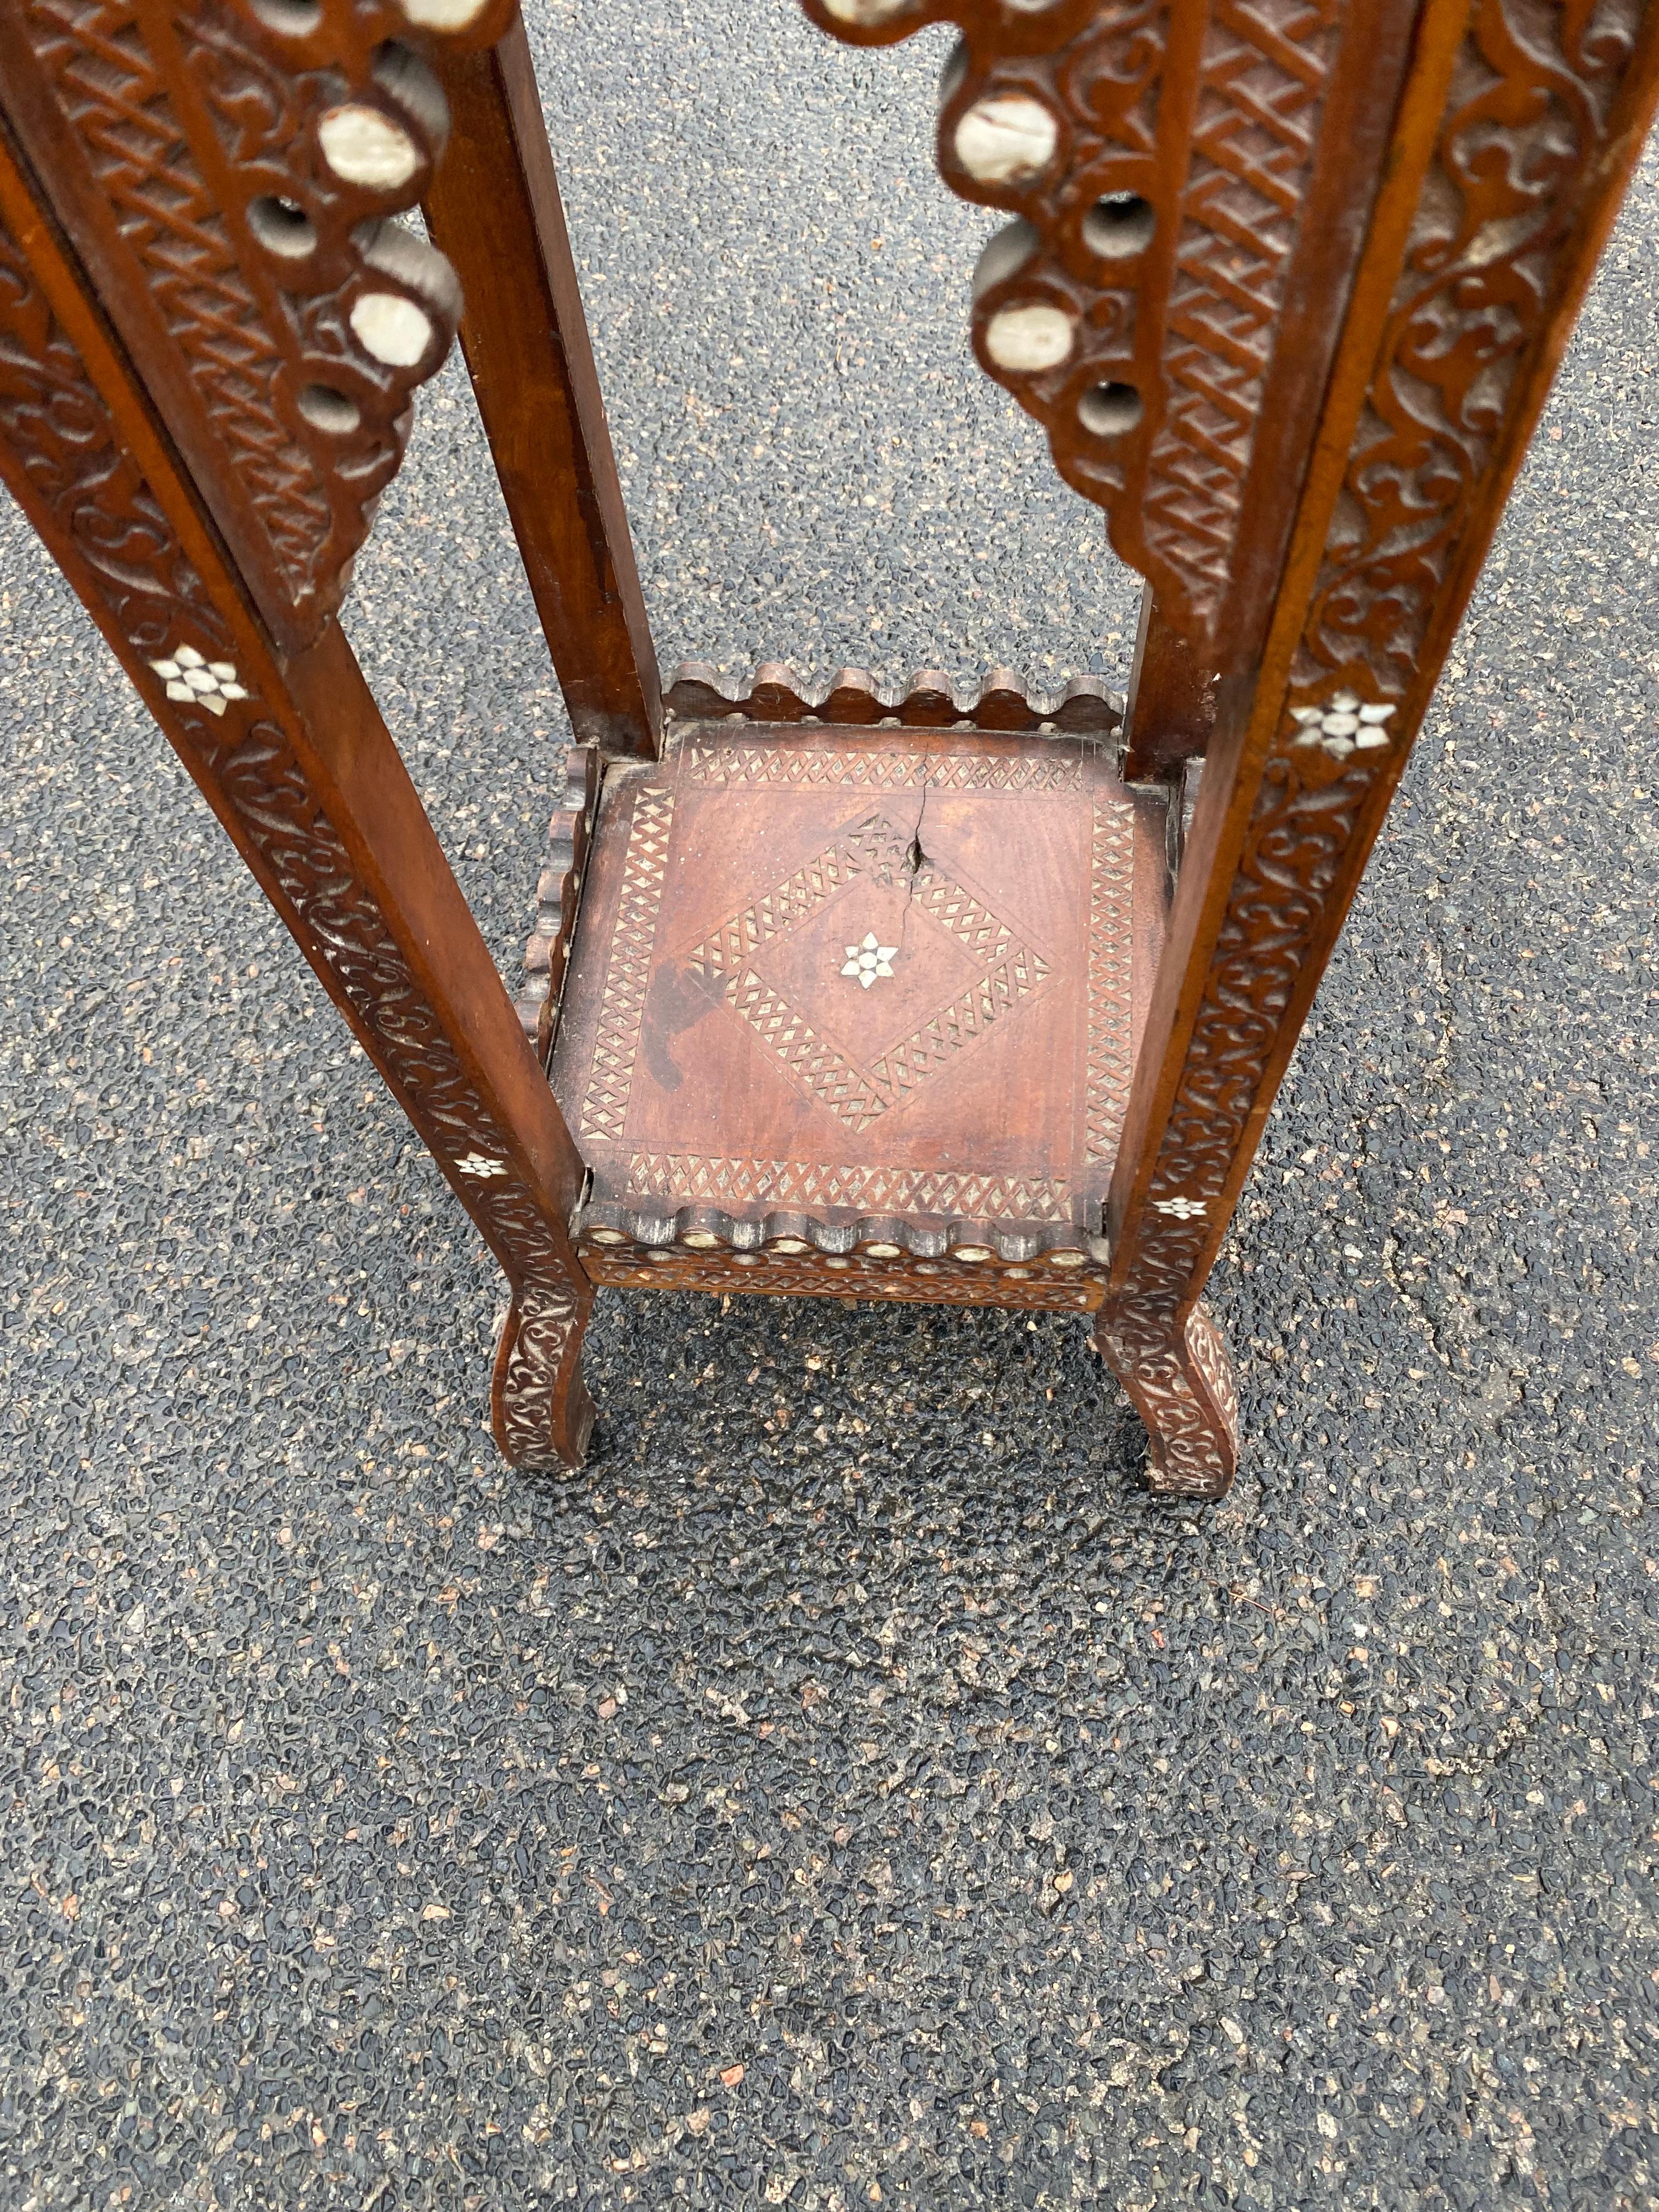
(851, 1790)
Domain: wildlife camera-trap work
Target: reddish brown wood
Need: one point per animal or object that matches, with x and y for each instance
(494, 207)
(1190, 188)
(1509, 157)
(293, 756)
(558, 895)
(184, 144)
(896, 1012)
(743, 1095)
(1171, 704)
(933, 701)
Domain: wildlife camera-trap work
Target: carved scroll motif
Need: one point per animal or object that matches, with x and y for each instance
(1531, 105)
(98, 513)
(1157, 162)
(538, 1368)
(232, 169)
(1181, 1381)
(1480, 297)
(60, 431)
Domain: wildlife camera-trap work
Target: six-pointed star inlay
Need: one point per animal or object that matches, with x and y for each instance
(867, 961)
(980, 967)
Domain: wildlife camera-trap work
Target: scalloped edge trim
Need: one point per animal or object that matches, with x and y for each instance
(932, 701)
(709, 1231)
(558, 895)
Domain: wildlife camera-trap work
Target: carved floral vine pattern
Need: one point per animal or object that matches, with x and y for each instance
(1529, 109)
(1180, 1382)
(1157, 175)
(537, 1372)
(1528, 114)
(98, 511)
(60, 431)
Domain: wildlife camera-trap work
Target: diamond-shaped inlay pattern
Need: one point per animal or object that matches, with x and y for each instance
(713, 1053)
(858, 1074)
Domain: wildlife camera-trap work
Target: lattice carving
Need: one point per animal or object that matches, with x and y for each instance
(1261, 81)
(871, 1191)
(1478, 304)
(897, 770)
(1009, 972)
(1111, 939)
(733, 962)
(232, 173)
(628, 973)
(1158, 166)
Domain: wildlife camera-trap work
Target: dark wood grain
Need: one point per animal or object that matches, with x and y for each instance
(1171, 704)
(493, 207)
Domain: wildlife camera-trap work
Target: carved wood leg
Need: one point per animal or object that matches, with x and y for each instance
(494, 207)
(538, 1404)
(1171, 706)
(1179, 1376)
(1462, 312)
(291, 753)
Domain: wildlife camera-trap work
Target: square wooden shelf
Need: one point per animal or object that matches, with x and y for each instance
(854, 1012)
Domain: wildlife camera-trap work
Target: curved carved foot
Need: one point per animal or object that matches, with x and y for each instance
(538, 1403)
(1180, 1379)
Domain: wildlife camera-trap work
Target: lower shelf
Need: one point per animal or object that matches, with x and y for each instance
(853, 1013)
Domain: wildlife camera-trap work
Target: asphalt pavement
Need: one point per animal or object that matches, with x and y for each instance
(852, 1790)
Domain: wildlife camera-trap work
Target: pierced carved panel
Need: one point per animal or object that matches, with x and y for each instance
(231, 172)
(1158, 159)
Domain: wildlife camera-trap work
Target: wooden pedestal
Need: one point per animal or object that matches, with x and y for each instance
(871, 996)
